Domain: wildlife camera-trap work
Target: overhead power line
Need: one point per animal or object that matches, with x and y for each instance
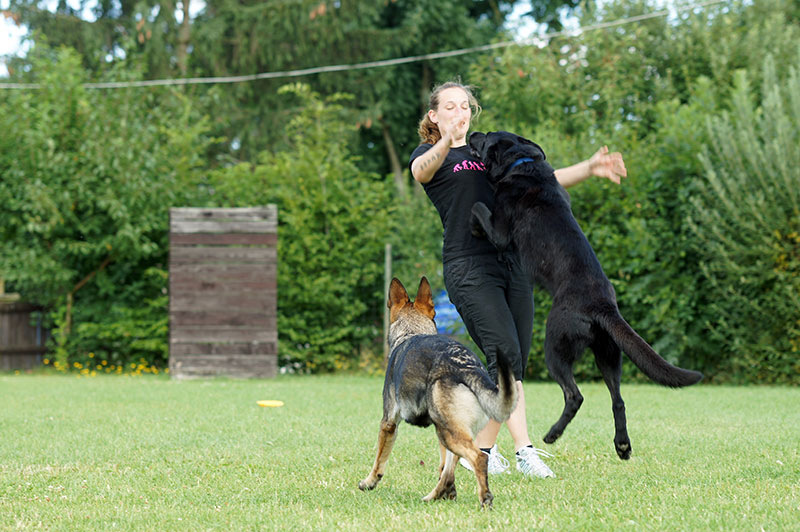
(534, 40)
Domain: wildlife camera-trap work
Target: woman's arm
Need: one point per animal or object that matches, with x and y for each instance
(424, 166)
(601, 164)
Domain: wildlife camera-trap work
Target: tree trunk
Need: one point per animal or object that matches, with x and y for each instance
(425, 89)
(67, 328)
(183, 39)
(394, 160)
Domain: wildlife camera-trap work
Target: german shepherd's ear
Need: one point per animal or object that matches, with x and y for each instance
(424, 300)
(397, 294)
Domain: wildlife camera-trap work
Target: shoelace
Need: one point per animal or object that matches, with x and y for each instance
(496, 457)
(536, 464)
(541, 452)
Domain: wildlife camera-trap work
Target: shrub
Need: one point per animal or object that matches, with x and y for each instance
(746, 222)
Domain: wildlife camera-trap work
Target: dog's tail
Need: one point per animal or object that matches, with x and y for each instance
(640, 352)
(499, 401)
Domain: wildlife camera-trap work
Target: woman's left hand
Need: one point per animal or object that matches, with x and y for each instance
(608, 165)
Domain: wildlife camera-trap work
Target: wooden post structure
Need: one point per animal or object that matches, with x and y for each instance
(387, 281)
(223, 292)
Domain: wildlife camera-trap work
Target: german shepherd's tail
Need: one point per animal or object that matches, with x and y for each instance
(498, 401)
(640, 352)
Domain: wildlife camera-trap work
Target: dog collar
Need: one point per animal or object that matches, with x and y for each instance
(519, 162)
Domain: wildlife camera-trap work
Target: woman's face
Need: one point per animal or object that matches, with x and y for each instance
(453, 111)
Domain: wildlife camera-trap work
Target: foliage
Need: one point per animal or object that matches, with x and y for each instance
(120, 30)
(235, 37)
(746, 223)
(88, 177)
(333, 222)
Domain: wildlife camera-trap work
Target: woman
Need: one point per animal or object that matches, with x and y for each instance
(490, 291)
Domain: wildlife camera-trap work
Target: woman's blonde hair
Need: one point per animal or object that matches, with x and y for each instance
(428, 131)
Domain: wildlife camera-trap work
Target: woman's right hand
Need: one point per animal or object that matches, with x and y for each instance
(455, 130)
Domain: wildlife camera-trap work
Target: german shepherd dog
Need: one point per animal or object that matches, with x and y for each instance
(532, 210)
(431, 379)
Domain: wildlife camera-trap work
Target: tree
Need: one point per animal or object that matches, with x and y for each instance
(88, 177)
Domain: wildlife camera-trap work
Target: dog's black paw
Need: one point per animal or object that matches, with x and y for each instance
(480, 218)
(552, 436)
(623, 450)
(476, 228)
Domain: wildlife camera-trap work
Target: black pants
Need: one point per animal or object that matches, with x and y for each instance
(495, 299)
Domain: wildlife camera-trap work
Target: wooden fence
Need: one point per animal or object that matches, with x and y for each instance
(223, 292)
(22, 343)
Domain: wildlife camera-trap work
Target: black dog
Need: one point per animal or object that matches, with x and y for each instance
(433, 380)
(532, 210)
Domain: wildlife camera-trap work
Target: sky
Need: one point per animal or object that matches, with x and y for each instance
(11, 35)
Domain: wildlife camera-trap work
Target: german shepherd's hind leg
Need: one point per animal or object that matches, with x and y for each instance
(446, 487)
(459, 442)
(609, 361)
(562, 347)
(442, 458)
(386, 439)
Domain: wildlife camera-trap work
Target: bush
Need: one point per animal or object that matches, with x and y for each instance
(88, 178)
(333, 221)
(747, 227)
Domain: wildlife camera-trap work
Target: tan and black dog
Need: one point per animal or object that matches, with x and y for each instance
(432, 379)
(532, 210)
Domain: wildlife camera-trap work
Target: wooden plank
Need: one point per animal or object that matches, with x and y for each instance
(217, 254)
(267, 213)
(26, 349)
(224, 239)
(12, 361)
(215, 285)
(238, 366)
(228, 348)
(211, 317)
(221, 334)
(221, 273)
(248, 302)
(223, 226)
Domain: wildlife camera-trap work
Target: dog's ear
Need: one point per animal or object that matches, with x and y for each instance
(540, 155)
(424, 300)
(495, 146)
(476, 140)
(397, 294)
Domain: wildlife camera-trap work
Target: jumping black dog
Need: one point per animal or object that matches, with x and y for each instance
(532, 210)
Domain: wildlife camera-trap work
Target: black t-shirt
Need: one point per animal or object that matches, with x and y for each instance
(454, 188)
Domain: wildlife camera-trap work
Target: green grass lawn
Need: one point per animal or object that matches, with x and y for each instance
(149, 453)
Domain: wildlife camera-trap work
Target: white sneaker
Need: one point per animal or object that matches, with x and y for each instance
(497, 462)
(529, 463)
